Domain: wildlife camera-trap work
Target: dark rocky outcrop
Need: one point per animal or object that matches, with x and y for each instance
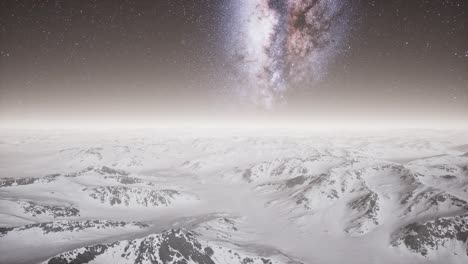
(70, 226)
(50, 210)
(433, 235)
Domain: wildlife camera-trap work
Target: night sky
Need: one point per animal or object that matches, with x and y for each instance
(155, 61)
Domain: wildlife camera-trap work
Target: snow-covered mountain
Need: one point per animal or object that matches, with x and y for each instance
(440, 234)
(171, 247)
(139, 197)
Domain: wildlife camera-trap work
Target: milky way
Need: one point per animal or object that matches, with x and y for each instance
(277, 43)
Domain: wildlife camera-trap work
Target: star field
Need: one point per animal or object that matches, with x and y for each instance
(157, 58)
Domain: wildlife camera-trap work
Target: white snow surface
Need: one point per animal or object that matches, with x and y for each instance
(369, 197)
